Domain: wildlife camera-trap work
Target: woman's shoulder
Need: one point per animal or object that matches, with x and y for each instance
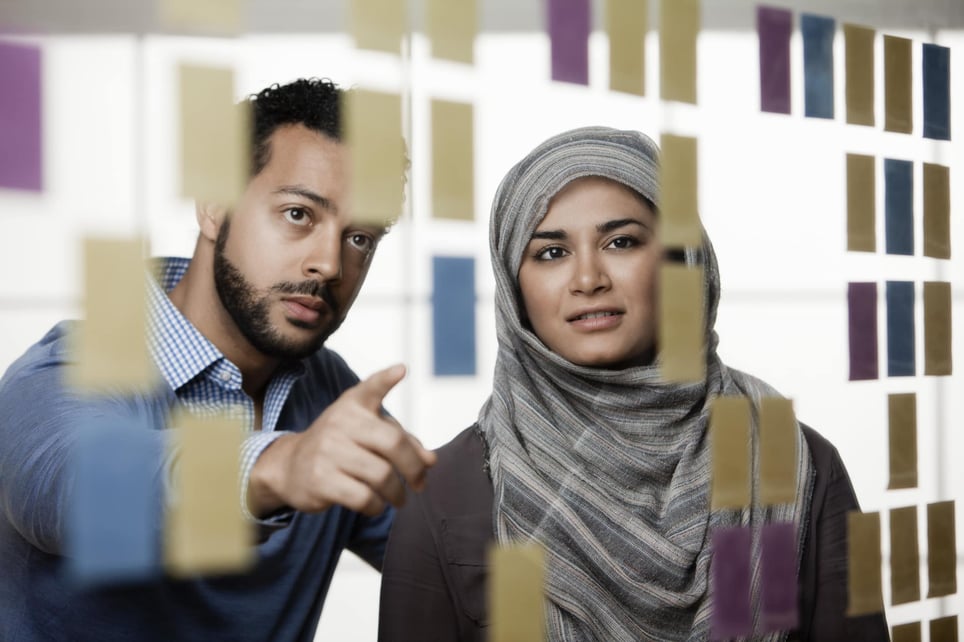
(459, 483)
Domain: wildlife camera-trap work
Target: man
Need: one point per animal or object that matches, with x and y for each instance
(242, 323)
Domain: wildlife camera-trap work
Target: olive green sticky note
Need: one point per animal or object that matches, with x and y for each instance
(111, 344)
(861, 203)
(374, 134)
(944, 629)
(778, 451)
(730, 448)
(218, 16)
(909, 632)
(516, 593)
(941, 549)
(682, 349)
(679, 26)
(626, 24)
(215, 136)
(904, 556)
(379, 25)
(937, 328)
(205, 531)
(937, 211)
(863, 564)
(902, 428)
(859, 71)
(679, 189)
(452, 28)
(453, 153)
(898, 109)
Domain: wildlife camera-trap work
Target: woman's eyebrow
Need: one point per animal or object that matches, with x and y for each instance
(609, 226)
(551, 235)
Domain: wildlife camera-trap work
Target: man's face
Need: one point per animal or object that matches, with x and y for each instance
(289, 262)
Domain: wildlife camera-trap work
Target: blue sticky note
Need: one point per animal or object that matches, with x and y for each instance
(901, 361)
(453, 315)
(899, 206)
(114, 516)
(818, 33)
(20, 117)
(936, 62)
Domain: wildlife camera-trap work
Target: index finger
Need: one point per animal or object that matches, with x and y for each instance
(372, 390)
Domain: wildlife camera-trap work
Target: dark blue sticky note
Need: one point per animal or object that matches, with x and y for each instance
(453, 315)
(778, 590)
(20, 117)
(862, 321)
(901, 360)
(899, 206)
(731, 615)
(818, 33)
(937, 92)
(569, 24)
(774, 27)
(114, 516)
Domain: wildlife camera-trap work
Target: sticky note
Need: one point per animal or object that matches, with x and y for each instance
(818, 94)
(114, 515)
(899, 206)
(569, 24)
(679, 180)
(859, 70)
(679, 26)
(898, 110)
(862, 319)
(682, 348)
(937, 328)
(941, 549)
(774, 27)
(731, 616)
(937, 211)
(778, 451)
(205, 530)
(516, 593)
(863, 564)
(111, 344)
(909, 632)
(452, 27)
(901, 359)
(861, 203)
(902, 429)
(904, 556)
(373, 131)
(944, 629)
(453, 315)
(210, 15)
(778, 588)
(379, 25)
(936, 71)
(453, 154)
(215, 136)
(730, 448)
(21, 117)
(626, 24)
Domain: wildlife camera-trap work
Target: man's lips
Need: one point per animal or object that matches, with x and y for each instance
(305, 308)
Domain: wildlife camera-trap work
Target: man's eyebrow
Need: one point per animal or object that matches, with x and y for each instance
(304, 192)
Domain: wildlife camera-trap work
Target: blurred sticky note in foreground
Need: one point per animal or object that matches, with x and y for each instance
(682, 351)
(904, 556)
(898, 109)
(859, 68)
(21, 117)
(909, 632)
(862, 321)
(210, 15)
(778, 451)
(902, 429)
(374, 133)
(679, 180)
(861, 203)
(818, 33)
(379, 24)
(730, 447)
(516, 593)
(774, 27)
(937, 211)
(863, 564)
(941, 549)
(937, 91)
(114, 513)
(679, 26)
(111, 343)
(453, 315)
(626, 24)
(206, 532)
(778, 590)
(901, 356)
(899, 206)
(215, 136)
(569, 40)
(453, 154)
(937, 328)
(944, 629)
(452, 28)
(732, 616)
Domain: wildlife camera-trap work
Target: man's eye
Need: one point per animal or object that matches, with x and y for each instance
(297, 216)
(361, 242)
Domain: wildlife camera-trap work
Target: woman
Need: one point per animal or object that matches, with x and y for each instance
(582, 448)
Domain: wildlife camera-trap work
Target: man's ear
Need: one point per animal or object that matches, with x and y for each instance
(210, 218)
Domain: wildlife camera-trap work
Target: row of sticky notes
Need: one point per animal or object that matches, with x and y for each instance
(864, 557)
(901, 358)
(899, 219)
(942, 629)
(381, 25)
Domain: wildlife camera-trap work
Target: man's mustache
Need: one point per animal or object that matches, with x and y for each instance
(310, 288)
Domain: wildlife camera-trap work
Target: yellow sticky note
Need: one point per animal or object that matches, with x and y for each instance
(374, 133)
(859, 70)
(451, 28)
(205, 530)
(941, 549)
(215, 136)
(902, 429)
(682, 348)
(863, 564)
(516, 593)
(379, 24)
(909, 632)
(943, 629)
(626, 24)
(202, 15)
(861, 203)
(904, 556)
(898, 110)
(730, 447)
(679, 190)
(111, 345)
(937, 211)
(778, 451)
(937, 328)
(453, 153)
(679, 26)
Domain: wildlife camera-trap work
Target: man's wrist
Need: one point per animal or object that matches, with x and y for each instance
(259, 480)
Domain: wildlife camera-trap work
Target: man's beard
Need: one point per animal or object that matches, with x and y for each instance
(250, 310)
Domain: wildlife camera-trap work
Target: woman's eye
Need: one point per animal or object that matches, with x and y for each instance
(550, 253)
(297, 216)
(623, 242)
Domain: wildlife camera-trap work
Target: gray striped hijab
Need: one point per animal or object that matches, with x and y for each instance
(608, 469)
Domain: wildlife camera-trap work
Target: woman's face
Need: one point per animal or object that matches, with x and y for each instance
(588, 277)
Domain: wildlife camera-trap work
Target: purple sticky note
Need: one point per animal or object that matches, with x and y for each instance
(862, 304)
(732, 616)
(778, 561)
(774, 27)
(20, 117)
(569, 40)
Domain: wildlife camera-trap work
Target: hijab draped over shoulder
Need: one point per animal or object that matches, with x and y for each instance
(609, 469)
